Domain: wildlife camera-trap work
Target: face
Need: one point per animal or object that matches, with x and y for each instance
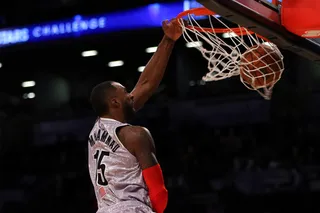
(126, 102)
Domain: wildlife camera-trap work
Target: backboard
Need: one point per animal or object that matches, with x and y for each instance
(263, 17)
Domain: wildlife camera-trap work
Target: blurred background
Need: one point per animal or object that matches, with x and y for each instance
(222, 147)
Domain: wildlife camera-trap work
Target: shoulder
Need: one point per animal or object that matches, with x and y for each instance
(133, 137)
(133, 132)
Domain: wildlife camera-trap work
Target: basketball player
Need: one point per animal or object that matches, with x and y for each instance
(123, 167)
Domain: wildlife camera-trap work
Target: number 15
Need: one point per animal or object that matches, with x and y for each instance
(100, 178)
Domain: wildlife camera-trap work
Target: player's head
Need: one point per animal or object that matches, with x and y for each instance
(111, 99)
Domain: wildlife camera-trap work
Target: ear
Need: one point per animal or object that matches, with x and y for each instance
(115, 103)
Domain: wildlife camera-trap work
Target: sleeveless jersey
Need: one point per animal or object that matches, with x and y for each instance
(115, 173)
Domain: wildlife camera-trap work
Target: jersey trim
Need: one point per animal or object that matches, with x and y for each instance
(116, 135)
(108, 119)
(115, 130)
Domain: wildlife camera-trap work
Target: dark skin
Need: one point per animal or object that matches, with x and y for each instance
(154, 71)
(139, 142)
(123, 105)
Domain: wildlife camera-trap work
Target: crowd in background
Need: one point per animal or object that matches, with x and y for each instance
(206, 169)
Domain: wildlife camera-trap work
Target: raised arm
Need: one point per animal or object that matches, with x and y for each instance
(154, 70)
(139, 142)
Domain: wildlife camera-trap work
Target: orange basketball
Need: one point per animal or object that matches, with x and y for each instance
(261, 66)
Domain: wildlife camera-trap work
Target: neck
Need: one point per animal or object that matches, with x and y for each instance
(115, 117)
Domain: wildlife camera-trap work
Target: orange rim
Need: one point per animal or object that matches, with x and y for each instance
(202, 11)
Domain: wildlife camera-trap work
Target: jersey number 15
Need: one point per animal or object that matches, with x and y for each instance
(101, 167)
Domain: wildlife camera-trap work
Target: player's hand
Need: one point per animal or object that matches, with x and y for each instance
(172, 29)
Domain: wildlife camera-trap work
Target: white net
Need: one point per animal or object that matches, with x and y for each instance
(235, 51)
(261, 68)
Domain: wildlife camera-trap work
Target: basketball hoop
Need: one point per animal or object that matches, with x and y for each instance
(227, 49)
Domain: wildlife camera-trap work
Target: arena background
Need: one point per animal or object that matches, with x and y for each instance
(222, 148)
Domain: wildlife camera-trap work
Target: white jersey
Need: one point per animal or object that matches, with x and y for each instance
(115, 173)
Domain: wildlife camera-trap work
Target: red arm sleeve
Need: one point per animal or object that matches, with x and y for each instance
(157, 191)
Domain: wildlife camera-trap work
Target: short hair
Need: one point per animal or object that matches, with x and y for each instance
(100, 95)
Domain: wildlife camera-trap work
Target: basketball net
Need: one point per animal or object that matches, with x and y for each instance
(224, 48)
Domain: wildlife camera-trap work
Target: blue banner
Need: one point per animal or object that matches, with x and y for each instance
(141, 18)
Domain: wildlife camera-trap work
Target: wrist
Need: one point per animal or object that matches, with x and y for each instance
(168, 39)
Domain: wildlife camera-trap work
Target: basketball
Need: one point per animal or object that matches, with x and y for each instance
(261, 66)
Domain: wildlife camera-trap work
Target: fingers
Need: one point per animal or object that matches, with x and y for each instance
(165, 23)
(183, 22)
(175, 21)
